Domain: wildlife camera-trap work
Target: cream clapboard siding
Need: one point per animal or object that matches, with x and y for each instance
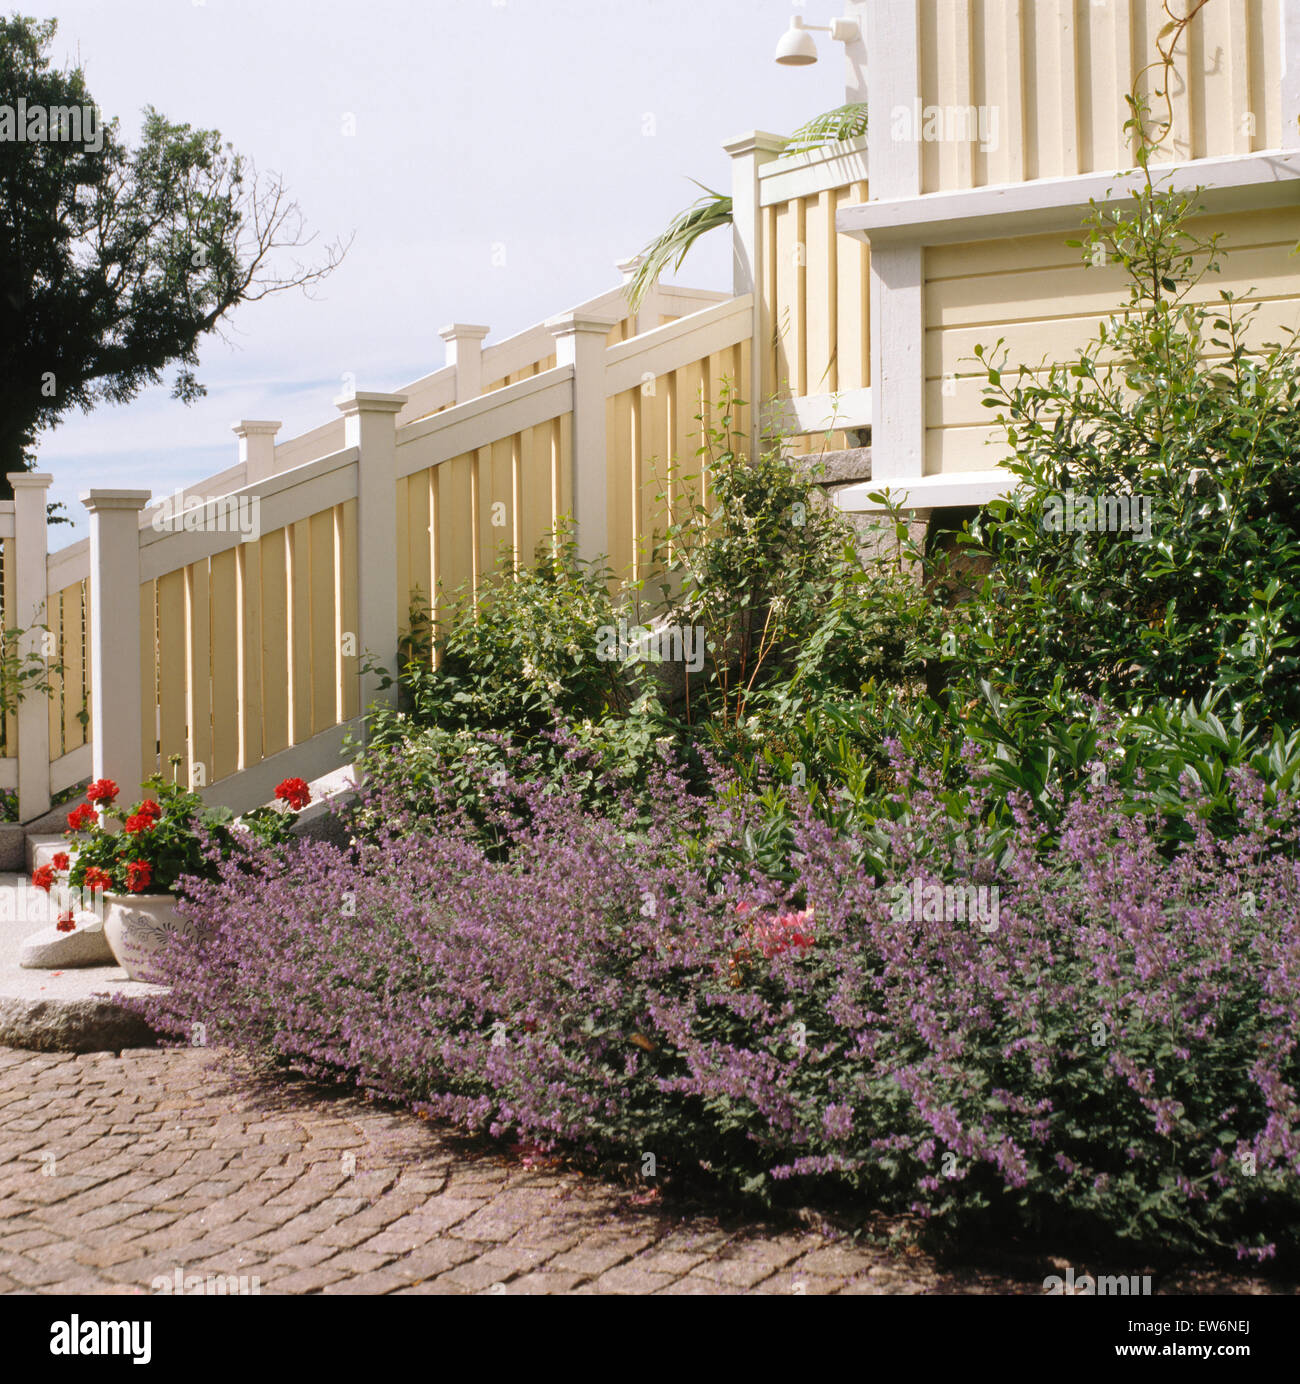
(654, 434)
(1038, 294)
(242, 653)
(1055, 73)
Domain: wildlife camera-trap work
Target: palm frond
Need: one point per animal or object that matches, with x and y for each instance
(714, 209)
(845, 122)
(670, 248)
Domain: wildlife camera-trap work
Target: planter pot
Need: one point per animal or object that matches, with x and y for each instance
(136, 926)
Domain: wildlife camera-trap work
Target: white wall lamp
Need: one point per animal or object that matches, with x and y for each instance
(798, 48)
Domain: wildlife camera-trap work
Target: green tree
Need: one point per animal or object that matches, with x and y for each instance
(116, 262)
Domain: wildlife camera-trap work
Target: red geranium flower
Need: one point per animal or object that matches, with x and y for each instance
(295, 792)
(102, 791)
(81, 817)
(790, 932)
(141, 821)
(139, 875)
(97, 878)
(66, 922)
(62, 860)
(44, 878)
(149, 809)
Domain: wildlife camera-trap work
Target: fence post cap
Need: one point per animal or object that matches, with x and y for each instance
(755, 142)
(29, 480)
(255, 427)
(367, 401)
(569, 322)
(95, 500)
(463, 331)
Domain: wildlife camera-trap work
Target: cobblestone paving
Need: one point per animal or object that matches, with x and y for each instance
(116, 1169)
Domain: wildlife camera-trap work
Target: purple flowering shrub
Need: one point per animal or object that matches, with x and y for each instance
(1103, 1039)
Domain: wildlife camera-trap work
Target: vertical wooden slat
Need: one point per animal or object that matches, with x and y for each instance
(172, 676)
(323, 664)
(788, 327)
(9, 601)
(148, 680)
(224, 580)
(933, 52)
(76, 680)
(563, 450)
(420, 570)
(496, 482)
(300, 630)
(1065, 99)
(402, 539)
(350, 662)
(821, 299)
(455, 528)
(533, 496)
(274, 644)
(88, 725)
(956, 56)
(1180, 92)
(198, 712)
(853, 369)
(654, 470)
(58, 682)
(621, 443)
(769, 318)
(686, 437)
(476, 466)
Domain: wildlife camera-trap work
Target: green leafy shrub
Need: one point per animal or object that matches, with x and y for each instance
(1174, 405)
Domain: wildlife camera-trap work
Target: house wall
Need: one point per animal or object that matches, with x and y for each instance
(1039, 294)
(1055, 73)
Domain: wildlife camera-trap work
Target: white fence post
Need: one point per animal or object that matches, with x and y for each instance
(30, 548)
(465, 352)
(116, 637)
(256, 448)
(580, 341)
(748, 154)
(370, 424)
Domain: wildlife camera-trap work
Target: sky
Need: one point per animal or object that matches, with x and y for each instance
(506, 154)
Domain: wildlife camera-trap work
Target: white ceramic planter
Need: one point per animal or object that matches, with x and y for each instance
(136, 926)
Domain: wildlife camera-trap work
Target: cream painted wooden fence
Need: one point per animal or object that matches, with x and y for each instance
(223, 636)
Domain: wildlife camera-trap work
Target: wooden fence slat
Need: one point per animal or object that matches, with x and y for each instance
(148, 680)
(172, 675)
(225, 664)
(273, 645)
(300, 625)
(199, 709)
(323, 660)
(349, 662)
